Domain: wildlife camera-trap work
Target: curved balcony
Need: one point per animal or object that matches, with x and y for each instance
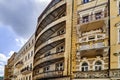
(62, 2)
(48, 47)
(91, 74)
(26, 70)
(49, 58)
(53, 27)
(19, 64)
(53, 16)
(50, 41)
(50, 74)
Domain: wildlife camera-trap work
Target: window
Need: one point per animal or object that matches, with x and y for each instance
(119, 8)
(29, 44)
(60, 32)
(60, 49)
(119, 35)
(26, 78)
(98, 15)
(31, 66)
(86, 1)
(31, 53)
(91, 37)
(46, 69)
(84, 67)
(28, 55)
(30, 77)
(59, 66)
(98, 66)
(118, 61)
(25, 58)
(85, 19)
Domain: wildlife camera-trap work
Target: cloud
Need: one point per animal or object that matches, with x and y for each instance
(11, 53)
(3, 61)
(20, 41)
(3, 58)
(21, 15)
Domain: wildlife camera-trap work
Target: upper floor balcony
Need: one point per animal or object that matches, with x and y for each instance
(93, 37)
(50, 30)
(85, 4)
(51, 7)
(93, 49)
(26, 70)
(19, 64)
(93, 21)
(49, 58)
(49, 74)
(93, 46)
(91, 74)
(50, 41)
(50, 18)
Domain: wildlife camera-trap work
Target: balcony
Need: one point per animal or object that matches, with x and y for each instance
(92, 37)
(95, 21)
(93, 49)
(19, 64)
(50, 74)
(51, 9)
(115, 73)
(26, 70)
(50, 41)
(53, 16)
(91, 74)
(51, 57)
(93, 46)
(12, 76)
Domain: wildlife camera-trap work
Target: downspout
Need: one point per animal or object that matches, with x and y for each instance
(71, 40)
(109, 32)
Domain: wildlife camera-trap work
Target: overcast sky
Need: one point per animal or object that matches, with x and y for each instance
(18, 19)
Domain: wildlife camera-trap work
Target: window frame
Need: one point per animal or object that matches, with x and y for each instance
(84, 68)
(98, 67)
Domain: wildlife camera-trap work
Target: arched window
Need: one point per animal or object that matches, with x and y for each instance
(98, 65)
(85, 1)
(84, 67)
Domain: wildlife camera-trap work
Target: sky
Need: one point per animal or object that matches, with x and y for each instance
(18, 20)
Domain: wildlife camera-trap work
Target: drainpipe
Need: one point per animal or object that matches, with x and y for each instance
(109, 32)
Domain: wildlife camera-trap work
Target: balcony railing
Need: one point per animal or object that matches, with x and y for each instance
(51, 40)
(19, 64)
(92, 17)
(49, 74)
(91, 74)
(93, 37)
(26, 70)
(115, 73)
(48, 58)
(93, 46)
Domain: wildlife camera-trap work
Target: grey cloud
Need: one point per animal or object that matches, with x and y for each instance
(21, 15)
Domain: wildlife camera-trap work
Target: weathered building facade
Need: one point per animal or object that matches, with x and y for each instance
(75, 40)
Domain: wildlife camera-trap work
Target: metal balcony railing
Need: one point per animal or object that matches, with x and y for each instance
(26, 70)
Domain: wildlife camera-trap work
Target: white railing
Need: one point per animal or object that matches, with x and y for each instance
(93, 37)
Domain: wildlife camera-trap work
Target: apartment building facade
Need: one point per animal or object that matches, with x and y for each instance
(74, 40)
(53, 42)
(24, 61)
(9, 68)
